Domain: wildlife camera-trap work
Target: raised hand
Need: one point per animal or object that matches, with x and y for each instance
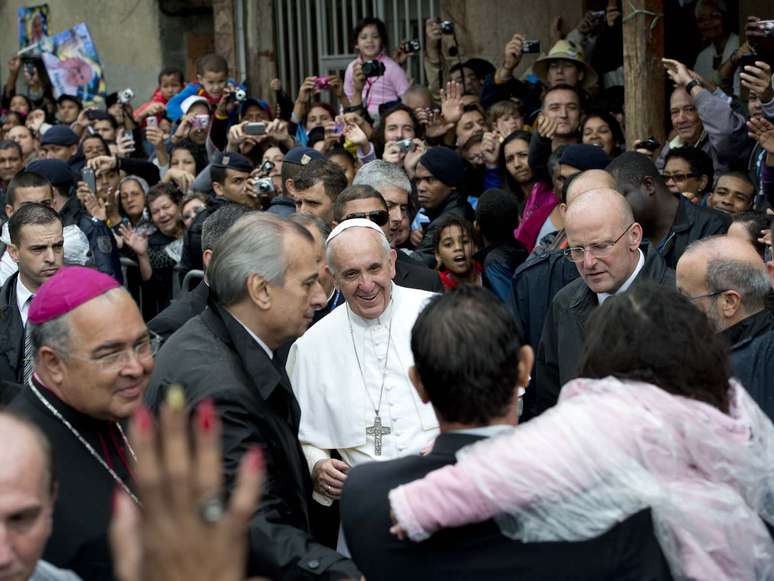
(175, 479)
(133, 239)
(678, 73)
(451, 102)
(490, 149)
(546, 127)
(762, 130)
(102, 163)
(757, 79)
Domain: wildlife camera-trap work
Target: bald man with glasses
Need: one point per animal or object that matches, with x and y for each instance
(606, 245)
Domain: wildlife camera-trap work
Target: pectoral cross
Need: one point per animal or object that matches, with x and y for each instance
(377, 431)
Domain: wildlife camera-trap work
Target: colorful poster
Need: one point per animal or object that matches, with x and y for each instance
(73, 65)
(33, 24)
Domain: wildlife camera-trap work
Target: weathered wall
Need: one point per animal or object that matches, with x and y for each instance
(126, 34)
(485, 26)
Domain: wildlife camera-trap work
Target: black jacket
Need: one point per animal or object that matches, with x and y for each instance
(561, 344)
(752, 357)
(691, 223)
(101, 242)
(182, 309)
(534, 285)
(213, 356)
(455, 204)
(83, 508)
(11, 333)
(627, 551)
(410, 274)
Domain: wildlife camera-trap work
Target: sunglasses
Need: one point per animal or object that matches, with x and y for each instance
(378, 217)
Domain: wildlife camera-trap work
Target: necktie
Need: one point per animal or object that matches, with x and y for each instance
(27, 349)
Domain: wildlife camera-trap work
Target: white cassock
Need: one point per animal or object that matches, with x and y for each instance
(335, 409)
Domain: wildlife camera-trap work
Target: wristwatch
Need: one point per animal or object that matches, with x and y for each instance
(694, 83)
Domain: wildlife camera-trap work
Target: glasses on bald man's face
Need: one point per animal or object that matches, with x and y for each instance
(378, 217)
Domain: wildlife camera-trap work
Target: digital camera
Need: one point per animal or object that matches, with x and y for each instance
(264, 185)
(125, 96)
(447, 27)
(373, 68)
(530, 47)
(413, 46)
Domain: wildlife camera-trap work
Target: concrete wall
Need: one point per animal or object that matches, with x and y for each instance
(485, 26)
(126, 34)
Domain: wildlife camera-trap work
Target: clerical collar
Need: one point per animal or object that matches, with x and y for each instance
(256, 338)
(602, 297)
(382, 319)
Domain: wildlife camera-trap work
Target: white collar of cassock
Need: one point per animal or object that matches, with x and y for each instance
(383, 319)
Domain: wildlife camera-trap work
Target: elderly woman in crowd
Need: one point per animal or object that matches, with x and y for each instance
(655, 422)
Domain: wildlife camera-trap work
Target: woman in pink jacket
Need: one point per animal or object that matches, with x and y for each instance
(655, 422)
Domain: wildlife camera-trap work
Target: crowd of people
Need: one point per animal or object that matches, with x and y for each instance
(459, 330)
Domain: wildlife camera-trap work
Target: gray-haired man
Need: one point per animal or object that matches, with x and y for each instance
(264, 289)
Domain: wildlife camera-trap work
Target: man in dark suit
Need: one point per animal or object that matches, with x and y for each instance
(365, 202)
(469, 345)
(264, 290)
(195, 301)
(37, 247)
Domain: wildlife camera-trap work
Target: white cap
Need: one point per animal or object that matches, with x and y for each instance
(186, 104)
(354, 223)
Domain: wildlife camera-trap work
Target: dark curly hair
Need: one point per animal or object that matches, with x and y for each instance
(656, 335)
(466, 353)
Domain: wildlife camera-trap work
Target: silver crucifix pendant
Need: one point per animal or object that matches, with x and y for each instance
(377, 431)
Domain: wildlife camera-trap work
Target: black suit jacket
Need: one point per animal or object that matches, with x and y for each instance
(180, 311)
(11, 333)
(213, 356)
(410, 274)
(627, 551)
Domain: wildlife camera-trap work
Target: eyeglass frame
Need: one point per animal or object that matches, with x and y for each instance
(672, 177)
(610, 245)
(119, 359)
(368, 216)
(709, 295)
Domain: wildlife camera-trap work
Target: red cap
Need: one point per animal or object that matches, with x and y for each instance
(68, 289)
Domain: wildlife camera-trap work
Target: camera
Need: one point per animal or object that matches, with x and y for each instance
(650, 144)
(321, 83)
(90, 178)
(264, 185)
(373, 68)
(237, 94)
(266, 167)
(125, 96)
(412, 46)
(447, 27)
(152, 121)
(405, 145)
(748, 60)
(200, 121)
(255, 129)
(530, 47)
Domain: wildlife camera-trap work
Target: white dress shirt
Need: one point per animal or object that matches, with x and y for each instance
(23, 296)
(602, 297)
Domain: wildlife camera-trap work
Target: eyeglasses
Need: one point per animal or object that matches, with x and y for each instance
(678, 177)
(597, 250)
(378, 217)
(708, 295)
(145, 349)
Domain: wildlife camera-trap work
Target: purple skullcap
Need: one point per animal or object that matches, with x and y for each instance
(68, 289)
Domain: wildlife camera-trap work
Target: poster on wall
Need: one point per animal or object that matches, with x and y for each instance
(73, 65)
(33, 24)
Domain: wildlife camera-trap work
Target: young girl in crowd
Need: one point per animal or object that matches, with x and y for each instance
(370, 38)
(454, 247)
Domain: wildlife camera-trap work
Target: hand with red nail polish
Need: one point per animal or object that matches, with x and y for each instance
(184, 530)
